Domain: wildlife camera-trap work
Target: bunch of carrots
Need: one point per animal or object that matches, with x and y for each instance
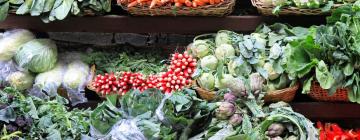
(177, 3)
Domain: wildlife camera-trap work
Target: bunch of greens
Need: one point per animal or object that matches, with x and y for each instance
(276, 39)
(329, 52)
(325, 5)
(34, 118)
(154, 115)
(51, 10)
(144, 61)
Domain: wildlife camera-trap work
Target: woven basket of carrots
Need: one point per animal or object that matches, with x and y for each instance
(178, 7)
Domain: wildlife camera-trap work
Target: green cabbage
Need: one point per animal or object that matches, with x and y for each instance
(201, 48)
(38, 55)
(76, 75)
(224, 51)
(20, 80)
(239, 67)
(207, 81)
(12, 41)
(209, 62)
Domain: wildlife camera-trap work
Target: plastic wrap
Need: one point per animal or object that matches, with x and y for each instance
(20, 80)
(125, 129)
(134, 127)
(11, 41)
(76, 78)
(6, 68)
(47, 83)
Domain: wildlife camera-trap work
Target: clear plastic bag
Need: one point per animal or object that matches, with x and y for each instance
(76, 77)
(11, 41)
(6, 68)
(125, 129)
(47, 83)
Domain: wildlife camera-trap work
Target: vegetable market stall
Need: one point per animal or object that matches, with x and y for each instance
(240, 114)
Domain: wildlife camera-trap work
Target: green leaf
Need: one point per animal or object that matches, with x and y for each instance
(246, 125)
(327, 7)
(25, 7)
(7, 114)
(63, 10)
(54, 135)
(307, 85)
(37, 7)
(349, 69)
(17, 2)
(4, 8)
(323, 76)
(48, 5)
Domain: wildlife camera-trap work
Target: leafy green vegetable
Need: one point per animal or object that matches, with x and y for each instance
(147, 61)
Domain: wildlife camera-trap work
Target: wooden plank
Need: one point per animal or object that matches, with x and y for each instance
(328, 111)
(182, 25)
(186, 25)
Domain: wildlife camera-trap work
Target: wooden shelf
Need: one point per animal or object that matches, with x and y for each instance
(313, 110)
(328, 111)
(185, 25)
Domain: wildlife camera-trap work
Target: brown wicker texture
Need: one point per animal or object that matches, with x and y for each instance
(286, 95)
(266, 9)
(203, 93)
(219, 10)
(319, 94)
(93, 72)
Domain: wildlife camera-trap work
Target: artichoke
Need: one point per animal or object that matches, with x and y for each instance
(235, 119)
(256, 83)
(275, 129)
(225, 110)
(229, 97)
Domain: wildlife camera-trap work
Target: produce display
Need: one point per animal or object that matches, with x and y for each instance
(147, 94)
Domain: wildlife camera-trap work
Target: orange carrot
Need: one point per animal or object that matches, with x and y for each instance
(217, 1)
(178, 4)
(194, 4)
(199, 2)
(181, 1)
(188, 3)
(206, 1)
(212, 2)
(132, 4)
(153, 3)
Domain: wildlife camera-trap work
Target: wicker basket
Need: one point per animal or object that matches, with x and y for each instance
(286, 95)
(203, 93)
(219, 10)
(93, 72)
(319, 94)
(267, 9)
